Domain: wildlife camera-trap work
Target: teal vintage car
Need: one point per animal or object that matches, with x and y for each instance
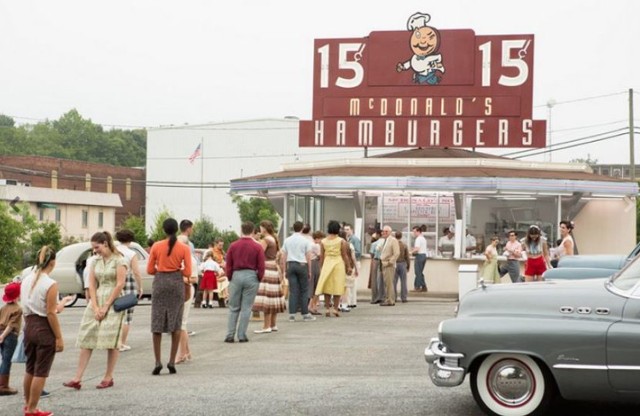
(523, 344)
(588, 266)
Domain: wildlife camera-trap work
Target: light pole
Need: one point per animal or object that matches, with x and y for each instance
(550, 105)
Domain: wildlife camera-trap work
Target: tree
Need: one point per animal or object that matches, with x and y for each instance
(588, 160)
(157, 233)
(11, 248)
(74, 137)
(6, 121)
(256, 210)
(205, 232)
(137, 227)
(45, 234)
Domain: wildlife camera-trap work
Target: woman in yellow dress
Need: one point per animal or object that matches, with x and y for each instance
(335, 265)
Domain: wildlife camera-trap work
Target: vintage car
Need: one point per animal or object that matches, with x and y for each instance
(589, 266)
(523, 344)
(70, 263)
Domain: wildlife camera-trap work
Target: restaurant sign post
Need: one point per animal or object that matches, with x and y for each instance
(423, 87)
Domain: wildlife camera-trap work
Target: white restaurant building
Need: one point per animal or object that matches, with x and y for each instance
(483, 193)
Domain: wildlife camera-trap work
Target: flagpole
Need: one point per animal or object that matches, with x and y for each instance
(201, 177)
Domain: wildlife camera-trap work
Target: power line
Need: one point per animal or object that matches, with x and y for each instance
(541, 152)
(576, 100)
(625, 129)
(589, 126)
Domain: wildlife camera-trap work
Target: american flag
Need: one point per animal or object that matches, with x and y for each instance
(196, 153)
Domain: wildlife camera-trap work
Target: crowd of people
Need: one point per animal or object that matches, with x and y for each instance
(257, 274)
(533, 250)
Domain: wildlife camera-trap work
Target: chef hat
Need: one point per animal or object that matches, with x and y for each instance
(417, 20)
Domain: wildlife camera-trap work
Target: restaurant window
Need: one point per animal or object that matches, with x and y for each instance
(85, 218)
(100, 219)
(496, 216)
(40, 214)
(58, 215)
(402, 212)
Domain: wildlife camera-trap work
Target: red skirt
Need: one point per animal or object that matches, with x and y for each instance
(535, 267)
(209, 280)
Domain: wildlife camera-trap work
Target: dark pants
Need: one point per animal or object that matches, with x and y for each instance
(401, 275)
(420, 261)
(298, 276)
(7, 348)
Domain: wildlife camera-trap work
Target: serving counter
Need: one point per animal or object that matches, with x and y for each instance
(441, 273)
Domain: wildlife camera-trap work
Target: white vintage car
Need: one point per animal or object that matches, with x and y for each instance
(70, 264)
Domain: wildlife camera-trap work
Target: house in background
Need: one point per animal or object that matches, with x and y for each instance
(92, 178)
(79, 213)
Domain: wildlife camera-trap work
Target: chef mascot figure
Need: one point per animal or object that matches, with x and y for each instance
(426, 62)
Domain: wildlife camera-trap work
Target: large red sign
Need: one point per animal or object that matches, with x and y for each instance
(423, 87)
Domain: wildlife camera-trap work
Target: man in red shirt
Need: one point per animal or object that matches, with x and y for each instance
(244, 269)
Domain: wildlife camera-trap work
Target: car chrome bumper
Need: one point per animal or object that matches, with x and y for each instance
(443, 365)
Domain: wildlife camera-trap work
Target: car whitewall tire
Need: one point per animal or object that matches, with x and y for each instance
(511, 385)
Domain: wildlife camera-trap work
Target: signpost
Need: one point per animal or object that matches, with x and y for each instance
(423, 87)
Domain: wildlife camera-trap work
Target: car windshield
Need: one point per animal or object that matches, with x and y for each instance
(629, 276)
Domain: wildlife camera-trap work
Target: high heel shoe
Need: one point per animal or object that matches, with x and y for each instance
(72, 384)
(157, 369)
(172, 368)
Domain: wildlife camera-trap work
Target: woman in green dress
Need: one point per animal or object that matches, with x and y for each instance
(490, 271)
(101, 326)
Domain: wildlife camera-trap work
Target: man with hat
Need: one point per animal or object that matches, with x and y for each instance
(10, 323)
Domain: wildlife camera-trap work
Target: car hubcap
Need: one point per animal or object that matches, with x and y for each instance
(511, 383)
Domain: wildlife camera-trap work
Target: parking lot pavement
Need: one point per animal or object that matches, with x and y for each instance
(366, 362)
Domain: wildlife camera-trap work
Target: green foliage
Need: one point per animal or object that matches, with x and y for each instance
(73, 137)
(11, 246)
(157, 233)
(256, 210)
(68, 240)
(45, 233)
(588, 160)
(204, 233)
(6, 121)
(137, 226)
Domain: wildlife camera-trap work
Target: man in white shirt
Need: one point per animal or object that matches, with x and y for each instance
(420, 252)
(296, 259)
(470, 242)
(446, 244)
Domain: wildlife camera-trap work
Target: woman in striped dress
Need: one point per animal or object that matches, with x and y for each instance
(270, 299)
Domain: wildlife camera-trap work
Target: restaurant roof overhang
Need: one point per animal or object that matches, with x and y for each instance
(442, 173)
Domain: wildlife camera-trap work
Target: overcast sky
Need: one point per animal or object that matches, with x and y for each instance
(158, 62)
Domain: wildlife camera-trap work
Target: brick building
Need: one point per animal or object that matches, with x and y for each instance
(54, 173)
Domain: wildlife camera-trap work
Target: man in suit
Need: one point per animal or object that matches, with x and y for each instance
(388, 257)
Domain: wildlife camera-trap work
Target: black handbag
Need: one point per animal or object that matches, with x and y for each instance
(125, 302)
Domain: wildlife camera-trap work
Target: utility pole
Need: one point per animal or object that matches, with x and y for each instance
(550, 105)
(632, 158)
